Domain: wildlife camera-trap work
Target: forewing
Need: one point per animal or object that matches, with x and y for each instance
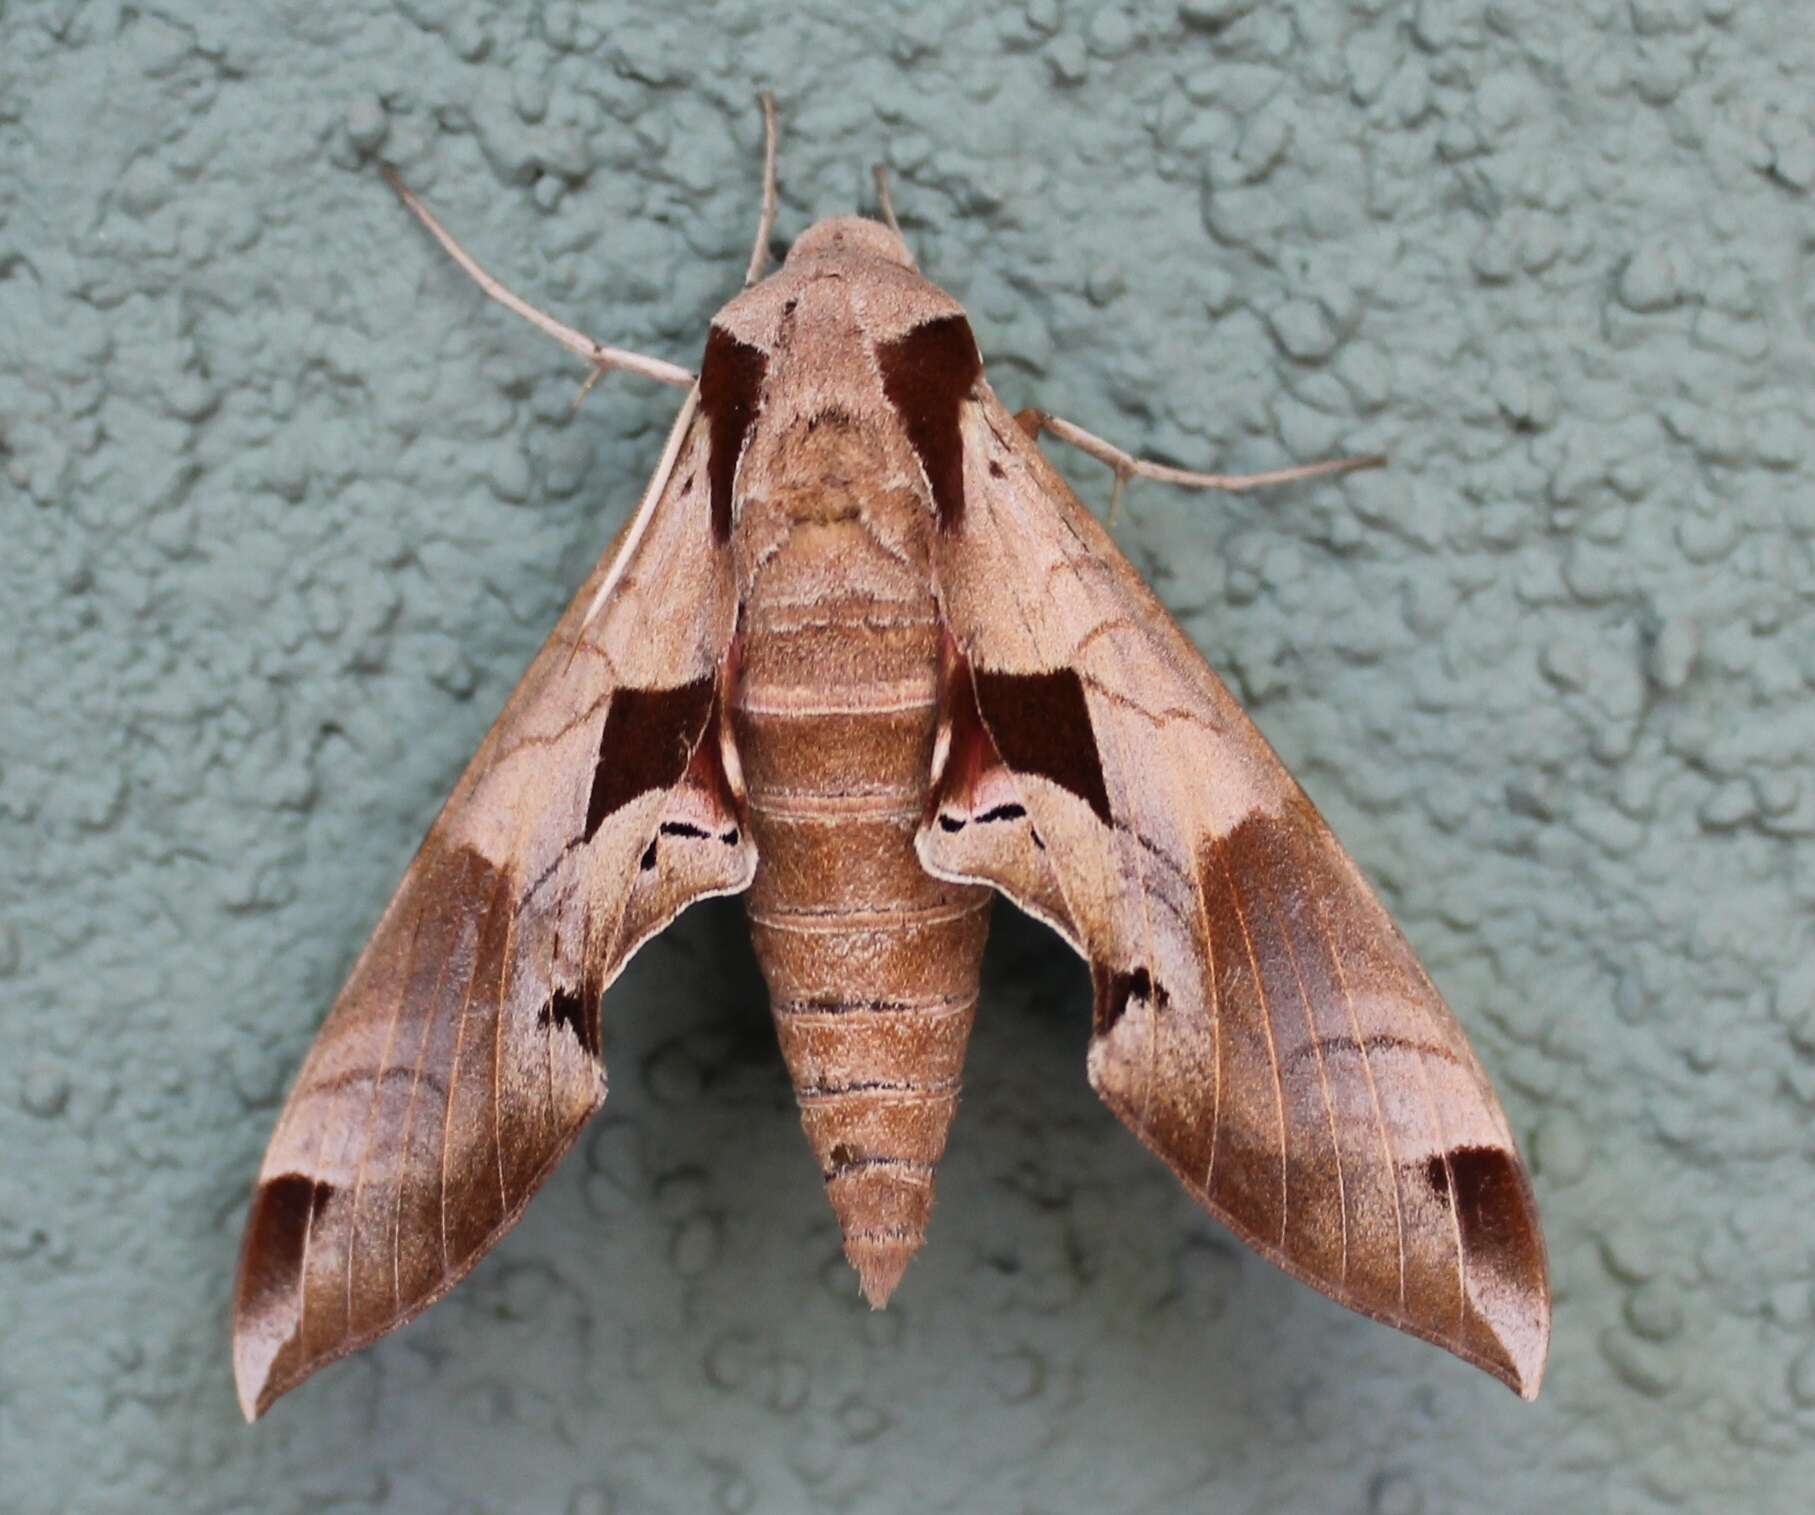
(462, 1056)
(1260, 1022)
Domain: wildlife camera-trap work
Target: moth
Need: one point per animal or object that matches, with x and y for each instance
(861, 655)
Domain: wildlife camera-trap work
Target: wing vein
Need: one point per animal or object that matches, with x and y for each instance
(1130, 853)
(1126, 843)
(365, 1145)
(1323, 1080)
(548, 1027)
(1266, 1025)
(1367, 1070)
(409, 1109)
(447, 1107)
(1449, 1179)
(497, 1083)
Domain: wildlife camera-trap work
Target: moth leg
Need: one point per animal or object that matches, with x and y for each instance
(598, 354)
(1126, 466)
(765, 222)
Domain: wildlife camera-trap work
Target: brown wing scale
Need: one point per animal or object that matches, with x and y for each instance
(462, 1057)
(1260, 1023)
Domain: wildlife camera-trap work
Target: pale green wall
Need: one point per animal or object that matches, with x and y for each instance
(286, 506)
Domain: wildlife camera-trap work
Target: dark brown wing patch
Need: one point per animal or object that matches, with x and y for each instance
(1494, 1208)
(1041, 725)
(1301, 1076)
(927, 373)
(283, 1209)
(460, 1060)
(646, 742)
(731, 393)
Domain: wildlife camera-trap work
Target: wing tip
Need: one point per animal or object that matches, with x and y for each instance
(1507, 1266)
(1506, 1331)
(1516, 1345)
(1522, 1370)
(251, 1387)
(267, 1284)
(269, 1359)
(258, 1379)
(1525, 1343)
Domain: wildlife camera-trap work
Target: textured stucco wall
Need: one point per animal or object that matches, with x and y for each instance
(286, 506)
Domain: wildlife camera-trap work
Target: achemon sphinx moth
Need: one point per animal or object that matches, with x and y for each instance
(861, 653)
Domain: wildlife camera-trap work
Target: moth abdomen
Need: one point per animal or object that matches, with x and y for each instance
(873, 1007)
(872, 963)
(878, 1139)
(861, 652)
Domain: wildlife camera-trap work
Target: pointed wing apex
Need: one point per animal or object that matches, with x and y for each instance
(461, 1059)
(1259, 1023)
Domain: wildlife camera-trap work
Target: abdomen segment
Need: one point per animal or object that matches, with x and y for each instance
(872, 964)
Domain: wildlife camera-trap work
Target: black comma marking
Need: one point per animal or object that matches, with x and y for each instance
(683, 829)
(1009, 812)
(571, 1010)
(1115, 991)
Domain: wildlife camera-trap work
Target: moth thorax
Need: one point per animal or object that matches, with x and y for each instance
(839, 236)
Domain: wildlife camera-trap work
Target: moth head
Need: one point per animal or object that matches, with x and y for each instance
(848, 236)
